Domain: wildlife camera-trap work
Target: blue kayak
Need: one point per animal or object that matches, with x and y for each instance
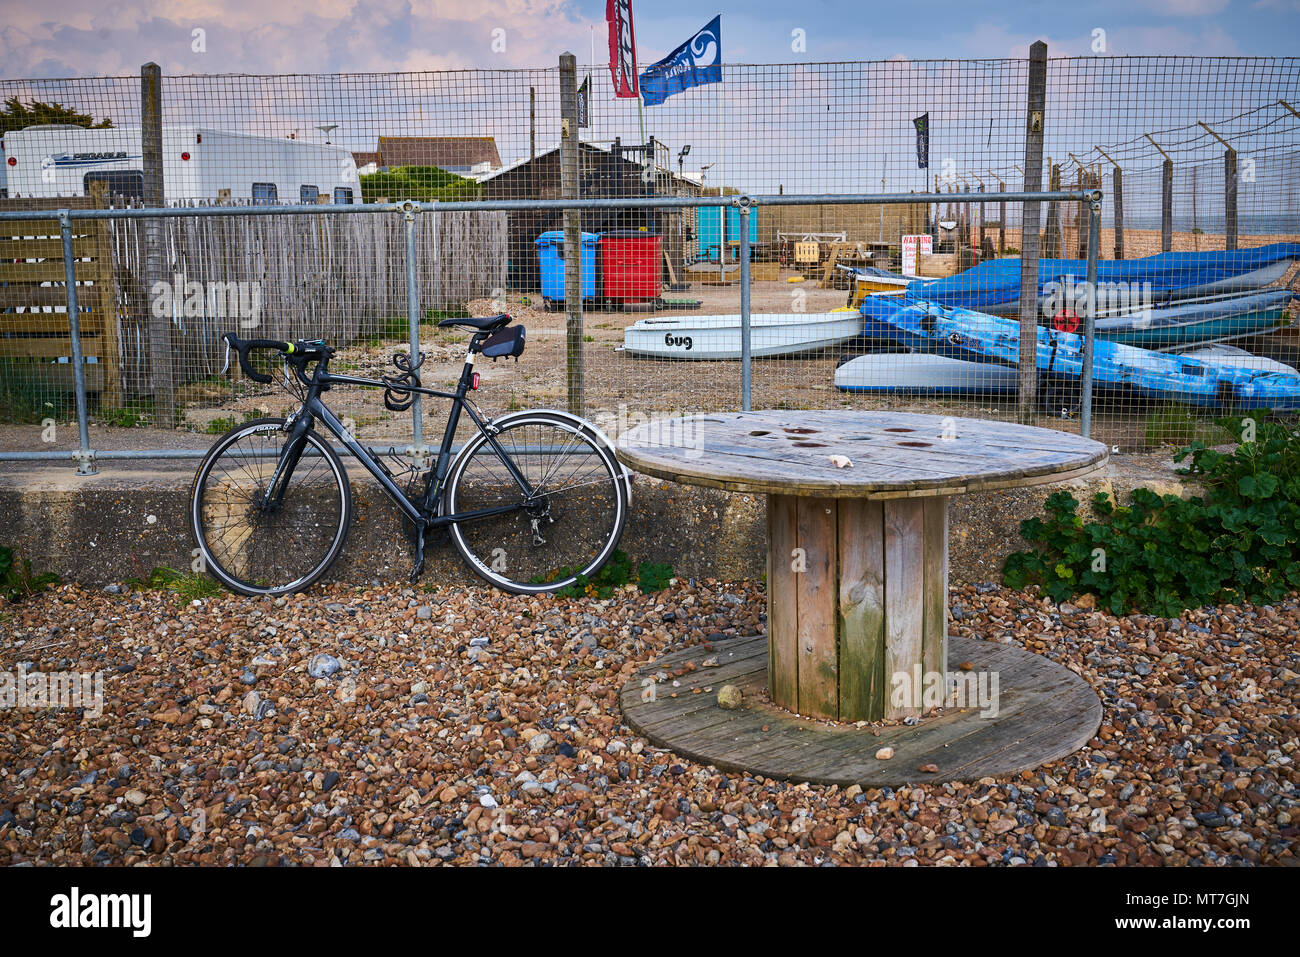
(978, 337)
(994, 286)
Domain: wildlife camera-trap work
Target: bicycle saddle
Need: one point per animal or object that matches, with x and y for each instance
(482, 323)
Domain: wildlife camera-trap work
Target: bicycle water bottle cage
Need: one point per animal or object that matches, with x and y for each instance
(398, 396)
(508, 342)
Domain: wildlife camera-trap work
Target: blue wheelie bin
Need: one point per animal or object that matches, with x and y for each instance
(550, 261)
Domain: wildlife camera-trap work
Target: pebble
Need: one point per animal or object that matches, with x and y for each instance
(729, 697)
(399, 772)
(322, 666)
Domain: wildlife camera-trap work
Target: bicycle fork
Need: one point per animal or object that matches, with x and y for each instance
(273, 495)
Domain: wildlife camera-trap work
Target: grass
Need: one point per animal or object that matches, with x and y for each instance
(398, 328)
(27, 395)
(1175, 424)
(186, 588)
(130, 416)
(224, 424)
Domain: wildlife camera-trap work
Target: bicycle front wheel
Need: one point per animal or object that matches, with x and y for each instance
(257, 547)
(565, 520)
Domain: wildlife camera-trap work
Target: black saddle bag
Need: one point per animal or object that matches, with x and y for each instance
(508, 342)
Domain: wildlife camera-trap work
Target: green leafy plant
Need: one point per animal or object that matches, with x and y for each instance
(129, 416)
(649, 577)
(16, 579)
(1239, 541)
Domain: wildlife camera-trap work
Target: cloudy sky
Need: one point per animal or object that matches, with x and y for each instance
(839, 119)
(59, 38)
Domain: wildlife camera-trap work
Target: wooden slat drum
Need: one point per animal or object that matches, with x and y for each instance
(857, 554)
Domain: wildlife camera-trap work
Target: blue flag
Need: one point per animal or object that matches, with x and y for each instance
(694, 63)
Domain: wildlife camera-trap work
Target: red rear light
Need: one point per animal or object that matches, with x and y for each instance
(474, 384)
(13, 161)
(185, 156)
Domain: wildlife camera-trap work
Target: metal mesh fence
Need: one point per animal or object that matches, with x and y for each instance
(908, 305)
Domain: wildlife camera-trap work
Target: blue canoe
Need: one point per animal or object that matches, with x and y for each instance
(979, 337)
(994, 286)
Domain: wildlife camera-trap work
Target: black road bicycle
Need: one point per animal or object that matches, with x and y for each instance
(533, 500)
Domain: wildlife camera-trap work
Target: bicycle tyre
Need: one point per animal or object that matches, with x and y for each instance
(289, 555)
(504, 550)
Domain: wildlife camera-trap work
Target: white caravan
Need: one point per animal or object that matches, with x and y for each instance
(198, 164)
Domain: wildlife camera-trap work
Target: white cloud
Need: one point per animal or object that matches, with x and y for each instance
(1186, 8)
(298, 36)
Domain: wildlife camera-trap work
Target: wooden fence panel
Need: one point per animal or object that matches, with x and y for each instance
(337, 277)
(34, 323)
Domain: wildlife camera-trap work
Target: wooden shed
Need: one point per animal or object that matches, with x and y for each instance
(602, 174)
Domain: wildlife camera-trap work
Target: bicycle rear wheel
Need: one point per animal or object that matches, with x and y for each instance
(258, 550)
(569, 525)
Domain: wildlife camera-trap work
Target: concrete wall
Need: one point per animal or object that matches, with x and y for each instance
(130, 519)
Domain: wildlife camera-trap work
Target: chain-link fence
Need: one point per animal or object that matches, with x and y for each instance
(909, 304)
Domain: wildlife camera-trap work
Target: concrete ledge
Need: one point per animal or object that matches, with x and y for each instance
(127, 520)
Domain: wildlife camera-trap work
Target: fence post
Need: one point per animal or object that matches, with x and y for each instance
(160, 327)
(85, 456)
(419, 453)
(1089, 321)
(1054, 245)
(1117, 179)
(572, 228)
(1230, 198)
(1035, 107)
(745, 382)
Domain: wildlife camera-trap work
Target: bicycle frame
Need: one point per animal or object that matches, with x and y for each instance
(422, 513)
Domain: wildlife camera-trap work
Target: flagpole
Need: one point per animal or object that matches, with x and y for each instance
(591, 69)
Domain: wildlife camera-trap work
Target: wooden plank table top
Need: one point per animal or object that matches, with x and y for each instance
(894, 454)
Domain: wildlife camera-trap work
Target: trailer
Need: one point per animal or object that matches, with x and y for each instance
(199, 163)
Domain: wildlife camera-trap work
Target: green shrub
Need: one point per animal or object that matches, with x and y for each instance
(16, 579)
(649, 577)
(1239, 541)
(419, 183)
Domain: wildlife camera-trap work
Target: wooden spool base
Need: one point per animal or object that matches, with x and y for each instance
(1045, 712)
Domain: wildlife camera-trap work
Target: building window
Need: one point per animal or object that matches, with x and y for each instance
(307, 195)
(343, 195)
(265, 194)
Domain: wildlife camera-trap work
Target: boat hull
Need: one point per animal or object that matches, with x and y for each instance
(979, 337)
(994, 286)
(718, 337)
(918, 373)
(1199, 320)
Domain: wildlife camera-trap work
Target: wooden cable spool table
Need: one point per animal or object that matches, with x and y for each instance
(857, 556)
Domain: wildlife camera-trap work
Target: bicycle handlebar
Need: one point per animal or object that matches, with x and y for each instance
(306, 350)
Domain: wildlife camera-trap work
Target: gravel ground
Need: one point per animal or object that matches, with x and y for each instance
(218, 746)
